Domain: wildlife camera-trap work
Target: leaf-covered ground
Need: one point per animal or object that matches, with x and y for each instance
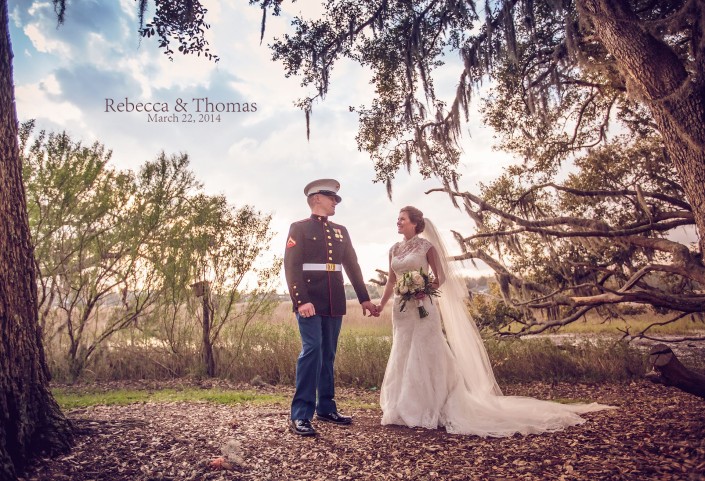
(656, 433)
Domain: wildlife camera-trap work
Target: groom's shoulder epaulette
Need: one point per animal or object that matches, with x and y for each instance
(303, 226)
(302, 221)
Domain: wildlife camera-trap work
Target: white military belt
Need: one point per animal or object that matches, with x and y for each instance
(323, 267)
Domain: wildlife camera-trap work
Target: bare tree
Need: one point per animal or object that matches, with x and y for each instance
(225, 245)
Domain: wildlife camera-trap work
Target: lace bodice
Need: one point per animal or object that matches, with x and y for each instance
(409, 255)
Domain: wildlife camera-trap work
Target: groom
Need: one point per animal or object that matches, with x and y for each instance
(316, 252)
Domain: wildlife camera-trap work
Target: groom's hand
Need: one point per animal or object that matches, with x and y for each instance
(307, 310)
(368, 306)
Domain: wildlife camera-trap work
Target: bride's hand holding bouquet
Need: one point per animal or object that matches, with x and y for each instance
(417, 285)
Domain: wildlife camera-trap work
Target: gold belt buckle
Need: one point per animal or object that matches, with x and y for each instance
(330, 267)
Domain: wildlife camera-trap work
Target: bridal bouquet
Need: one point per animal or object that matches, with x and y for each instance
(415, 285)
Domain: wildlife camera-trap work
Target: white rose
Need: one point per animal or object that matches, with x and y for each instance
(403, 290)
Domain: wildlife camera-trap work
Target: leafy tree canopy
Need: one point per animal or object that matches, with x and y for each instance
(562, 71)
(180, 21)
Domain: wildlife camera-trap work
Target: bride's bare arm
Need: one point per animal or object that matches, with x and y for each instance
(389, 286)
(434, 261)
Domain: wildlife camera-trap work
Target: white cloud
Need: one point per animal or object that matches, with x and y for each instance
(45, 44)
(129, 8)
(189, 72)
(50, 85)
(235, 152)
(37, 101)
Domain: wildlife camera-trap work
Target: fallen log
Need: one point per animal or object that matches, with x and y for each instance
(669, 371)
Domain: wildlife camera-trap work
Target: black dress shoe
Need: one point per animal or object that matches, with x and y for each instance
(302, 427)
(335, 417)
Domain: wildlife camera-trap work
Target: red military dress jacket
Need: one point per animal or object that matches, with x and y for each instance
(317, 240)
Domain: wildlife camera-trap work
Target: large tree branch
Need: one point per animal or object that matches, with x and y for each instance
(580, 227)
(609, 193)
(685, 264)
(504, 276)
(536, 327)
(642, 334)
(690, 262)
(534, 227)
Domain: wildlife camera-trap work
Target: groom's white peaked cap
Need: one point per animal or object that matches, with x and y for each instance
(323, 186)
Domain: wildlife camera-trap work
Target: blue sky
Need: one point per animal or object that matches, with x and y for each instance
(63, 76)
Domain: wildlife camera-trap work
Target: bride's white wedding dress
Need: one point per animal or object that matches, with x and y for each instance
(433, 381)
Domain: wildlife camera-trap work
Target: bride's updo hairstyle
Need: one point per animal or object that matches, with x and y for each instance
(416, 217)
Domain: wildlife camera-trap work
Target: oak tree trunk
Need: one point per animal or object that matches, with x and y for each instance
(30, 420)
(669, 371)
(656, 76)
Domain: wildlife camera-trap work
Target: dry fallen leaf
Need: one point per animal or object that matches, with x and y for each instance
(220, 463)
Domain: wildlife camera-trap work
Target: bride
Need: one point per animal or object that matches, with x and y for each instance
(435, 380)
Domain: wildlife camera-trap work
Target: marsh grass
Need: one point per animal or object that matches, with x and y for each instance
(267, 349)
(361, 360)
(523, 360)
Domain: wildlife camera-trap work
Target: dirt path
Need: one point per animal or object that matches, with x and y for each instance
(656, 433)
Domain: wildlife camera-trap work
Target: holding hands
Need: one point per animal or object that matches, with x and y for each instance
(369, 306)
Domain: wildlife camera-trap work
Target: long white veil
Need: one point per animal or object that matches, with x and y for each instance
(462, 333)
